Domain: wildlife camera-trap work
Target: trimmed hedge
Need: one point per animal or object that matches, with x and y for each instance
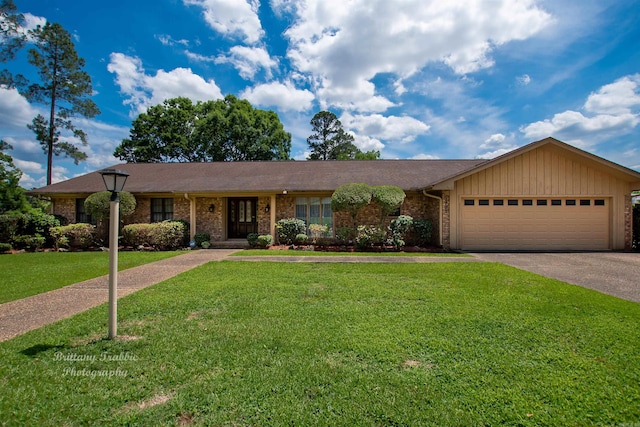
(289, 228)
(165, 235)
(75, 236)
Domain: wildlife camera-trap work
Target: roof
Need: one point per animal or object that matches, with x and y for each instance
(267, 176)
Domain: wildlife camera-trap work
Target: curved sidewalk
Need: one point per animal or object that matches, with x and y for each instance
(21, 316)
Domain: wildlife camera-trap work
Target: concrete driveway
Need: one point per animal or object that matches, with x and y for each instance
(612, 273)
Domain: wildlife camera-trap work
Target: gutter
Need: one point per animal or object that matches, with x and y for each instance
(440, 202)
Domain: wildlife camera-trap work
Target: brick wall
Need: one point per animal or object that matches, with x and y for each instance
(208, 222)
(628, 223)
(66, 208)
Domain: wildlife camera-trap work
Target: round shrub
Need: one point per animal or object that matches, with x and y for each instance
(252, 239)
(369, 236)
(289, 228)
(77, 236)
(265, 241)
(199, 238)
(98, 204)
(389, 198)
(301, 239)
(399, 229)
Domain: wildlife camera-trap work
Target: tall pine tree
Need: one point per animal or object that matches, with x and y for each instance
(65, 88)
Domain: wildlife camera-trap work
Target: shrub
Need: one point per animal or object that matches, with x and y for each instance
(98, 204)
(351, 198)
(166, 235)
(74, 235)
(265, 241)
(318, 231)
(289, 228)
(399, 229)
(35, 222)
(301, 239)
(10, 226)
(29, 242)
(344, 234)
(187, 230)
(5, 247)
(136, 234)
(252, 239)
(389, 198)
(369, 236)
(421, 232)
(199, 238)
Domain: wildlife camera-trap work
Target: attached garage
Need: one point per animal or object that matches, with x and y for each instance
(535, 224)
(547, 195)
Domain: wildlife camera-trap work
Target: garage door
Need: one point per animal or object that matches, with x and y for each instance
(534, 224)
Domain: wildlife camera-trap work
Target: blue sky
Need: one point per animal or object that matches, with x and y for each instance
(411, 78)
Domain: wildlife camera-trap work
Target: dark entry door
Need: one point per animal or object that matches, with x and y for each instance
(242, 217)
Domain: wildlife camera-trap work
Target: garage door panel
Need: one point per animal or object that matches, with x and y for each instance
(534, 227)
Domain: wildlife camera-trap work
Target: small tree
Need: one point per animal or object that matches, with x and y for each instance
(351, 198)
(98, 206)
(389, 198)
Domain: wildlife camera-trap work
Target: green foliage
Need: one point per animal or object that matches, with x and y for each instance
(329, 140)
(98, 204)
(252, 239)
(318, 231)
(29, 242)
(12, 196)
(136, 235)
(344, 234)
(351, 198)
(77, 236)
(15, 225)
(399, 229)
(265, 241)
(289, 228)
(5, 247)
(165, 235)
(369, 235)
(389, 198)
(65, 87)
(421, 232)
(12, 38)
(187, 231)
(227, 129)
(198, 238)
(301, 239)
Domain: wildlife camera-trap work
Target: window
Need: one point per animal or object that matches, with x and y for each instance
(513, 202)
(598, 202)
(81, 213)
(570, 202)
(469, 202)
(498, 202)
(527, 202)
(483, 202)
(556, 202)
(315, 210)
(541, 202)
(585, 202)
(161, 209)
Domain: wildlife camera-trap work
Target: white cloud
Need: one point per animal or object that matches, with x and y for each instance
(393, 128)
(615, 98)
(496, 153)
(167, 40)
(524, 79)
(612, 105)
(366, 143)
(284, 96)
(15, 110)
(344, 45)
(143, 90)
(248, 61)
(423, 156)
(232, 17)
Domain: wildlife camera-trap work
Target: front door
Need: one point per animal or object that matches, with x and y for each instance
(242, 217)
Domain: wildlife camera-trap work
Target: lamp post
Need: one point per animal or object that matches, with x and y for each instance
(114, 180)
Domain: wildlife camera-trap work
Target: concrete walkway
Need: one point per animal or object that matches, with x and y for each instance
(21, 316)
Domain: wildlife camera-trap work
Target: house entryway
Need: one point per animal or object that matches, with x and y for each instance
(242, 218)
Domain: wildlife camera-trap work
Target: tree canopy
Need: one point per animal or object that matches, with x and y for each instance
(65, 88)
(12, 38)
(330, 141)
(228, 129)
(12, 196)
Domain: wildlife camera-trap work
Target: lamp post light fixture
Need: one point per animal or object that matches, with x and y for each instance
(114, 180)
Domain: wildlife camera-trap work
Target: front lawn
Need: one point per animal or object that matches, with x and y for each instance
(270, 344)
(28, 274)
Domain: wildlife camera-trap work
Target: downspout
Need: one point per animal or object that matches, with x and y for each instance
(439, 199)
(192, 216)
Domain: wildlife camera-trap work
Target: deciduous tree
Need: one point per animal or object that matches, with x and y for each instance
(12, 196)
(65, 88)
(228, 129)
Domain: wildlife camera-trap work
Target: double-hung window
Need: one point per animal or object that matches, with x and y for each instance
(81, 214)
(161, 209)
(315, 210)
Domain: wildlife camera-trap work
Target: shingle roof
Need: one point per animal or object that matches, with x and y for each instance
(274, 176)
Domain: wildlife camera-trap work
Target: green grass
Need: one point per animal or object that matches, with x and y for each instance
(270, 344)
(29, 274)
(274, 252)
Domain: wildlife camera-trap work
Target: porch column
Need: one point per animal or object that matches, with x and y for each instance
(272, 215)
(192, 216)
